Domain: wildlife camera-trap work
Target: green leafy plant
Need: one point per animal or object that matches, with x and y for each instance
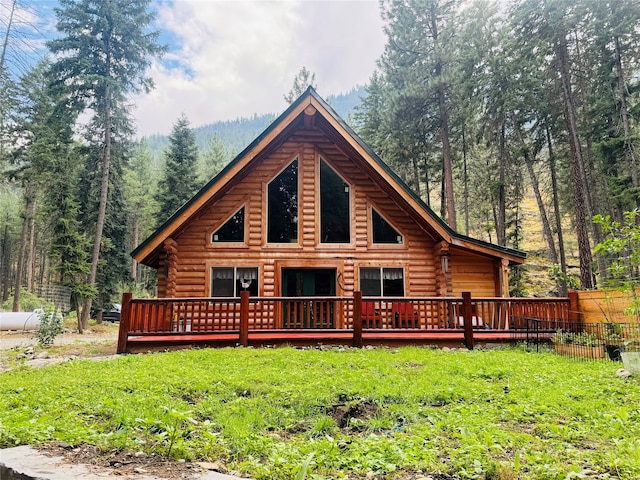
(621, 251)
(584, 339)
(560, 278)
(28, 302)
(50, 326)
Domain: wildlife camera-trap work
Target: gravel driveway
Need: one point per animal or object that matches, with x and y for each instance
(9, 340)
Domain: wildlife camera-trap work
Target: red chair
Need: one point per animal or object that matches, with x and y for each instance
(404, 314)
(369, 315)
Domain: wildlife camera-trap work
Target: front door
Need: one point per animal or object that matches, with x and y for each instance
(308, 282)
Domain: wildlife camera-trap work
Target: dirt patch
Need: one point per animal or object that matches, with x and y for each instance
(345, 413)
(129, 464)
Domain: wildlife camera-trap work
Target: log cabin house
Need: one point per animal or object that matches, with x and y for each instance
(309, 211)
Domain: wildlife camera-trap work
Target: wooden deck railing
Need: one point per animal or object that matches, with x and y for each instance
(239, 316)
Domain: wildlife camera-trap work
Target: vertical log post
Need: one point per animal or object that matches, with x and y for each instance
(574, 308)
(123, 332)
(467, 315)
(244, 318)
(357, 319)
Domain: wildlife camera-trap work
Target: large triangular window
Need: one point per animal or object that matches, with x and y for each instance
(282, 206)
(383, 231)
(232, 231)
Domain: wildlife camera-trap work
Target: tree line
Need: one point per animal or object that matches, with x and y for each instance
(473, 103)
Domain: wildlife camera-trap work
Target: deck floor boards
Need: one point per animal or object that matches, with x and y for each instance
(396, 337)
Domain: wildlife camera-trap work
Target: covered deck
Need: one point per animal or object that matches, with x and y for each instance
(151, 324)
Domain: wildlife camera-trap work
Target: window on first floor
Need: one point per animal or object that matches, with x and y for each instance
(381, 282)
(230, 281)
(232, 231)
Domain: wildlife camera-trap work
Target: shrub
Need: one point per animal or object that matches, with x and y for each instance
(50, 326)
(585, 339)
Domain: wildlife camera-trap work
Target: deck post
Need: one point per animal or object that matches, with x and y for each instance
(574, 308)
(467, 314)
(357, 319)
(244, 318)
(123, 332)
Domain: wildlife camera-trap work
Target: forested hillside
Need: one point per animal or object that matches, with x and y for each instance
(236, 134)
(509, 118)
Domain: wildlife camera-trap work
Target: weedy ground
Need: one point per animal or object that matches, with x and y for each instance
(354, 413)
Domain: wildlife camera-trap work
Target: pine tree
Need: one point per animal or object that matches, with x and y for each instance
(303, 79)
(102, 57)
(180, 180)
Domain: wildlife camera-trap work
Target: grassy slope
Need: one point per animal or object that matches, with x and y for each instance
(502, 414)
(537, 264)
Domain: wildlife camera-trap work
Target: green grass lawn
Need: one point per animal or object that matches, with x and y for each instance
(501, 414)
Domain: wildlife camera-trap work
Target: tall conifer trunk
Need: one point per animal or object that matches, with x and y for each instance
(624, 115)
(102, 207)
(580, 200)
(556, 211)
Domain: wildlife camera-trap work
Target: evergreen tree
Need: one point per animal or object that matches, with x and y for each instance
(141, 204)
(419, 67)
(102, 57)
(180, 180)
(214, 159)
(303, 80)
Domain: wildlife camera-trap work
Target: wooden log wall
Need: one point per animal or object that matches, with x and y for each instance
(472, 273)
(195, 255)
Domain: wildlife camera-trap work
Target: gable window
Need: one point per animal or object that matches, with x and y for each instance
(382, 230)
(232, 231)
(385, 282)
(282, 206)
(230, 281)
(334, 206)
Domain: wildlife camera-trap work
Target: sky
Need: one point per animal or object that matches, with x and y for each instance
(233, 58)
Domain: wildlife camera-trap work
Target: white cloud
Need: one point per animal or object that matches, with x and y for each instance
(231, 59)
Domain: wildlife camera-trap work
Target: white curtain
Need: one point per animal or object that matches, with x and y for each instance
(392, 274)
(369, 273)
(247, 274)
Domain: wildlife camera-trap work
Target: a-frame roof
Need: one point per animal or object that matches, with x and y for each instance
(310, 104)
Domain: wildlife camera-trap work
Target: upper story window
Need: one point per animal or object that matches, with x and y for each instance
(335, 218)
(382, 230)
(282, 206)
(232, 231)
(376, 282)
